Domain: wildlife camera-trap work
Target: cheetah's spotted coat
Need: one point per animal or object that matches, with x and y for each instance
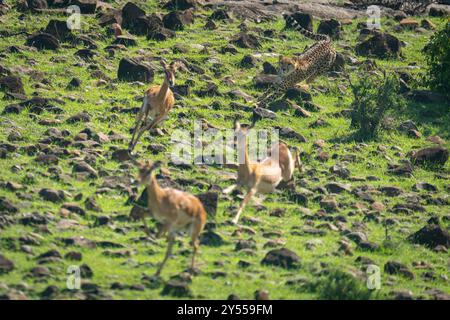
(306, 67)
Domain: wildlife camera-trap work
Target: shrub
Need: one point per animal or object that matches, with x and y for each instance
(340, 285)
(437, 54)
(374, 95)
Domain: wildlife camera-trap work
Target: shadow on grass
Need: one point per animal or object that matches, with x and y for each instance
(436, 115)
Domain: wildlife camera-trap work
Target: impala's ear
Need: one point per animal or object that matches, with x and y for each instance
(175, 65)
(149, 163)
(141, 165)
(237, 124)
(155, 165)
(163, 64)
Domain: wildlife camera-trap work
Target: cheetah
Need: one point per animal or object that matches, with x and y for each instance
(313, 62)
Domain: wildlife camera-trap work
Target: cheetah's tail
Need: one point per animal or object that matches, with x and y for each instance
(303, 31)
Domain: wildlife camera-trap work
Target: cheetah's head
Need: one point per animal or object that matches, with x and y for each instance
(285, 66)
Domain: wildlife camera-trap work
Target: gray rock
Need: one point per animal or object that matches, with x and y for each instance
(284, 258)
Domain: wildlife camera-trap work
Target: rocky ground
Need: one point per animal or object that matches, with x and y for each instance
(69, 98)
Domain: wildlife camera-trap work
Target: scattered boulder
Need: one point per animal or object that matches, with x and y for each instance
(130, 13)
(329, 205)
(125, 40)
(407, 125)
(425, 186)
(7, 206)
(263, 81)
(268, 68)
(409, 23)
(161, 34)
(33, 5)
(86, 271)
(290, 133)
(209, 201)
(436, 140)
(426, 96)
(262, 295)
(391, 191)
(181, 4)
(6, 265)
(212, 239)
(132, 70)
(335, 187)
(177, 20)
(121, 155)
(83, 167)
(394, 267)
(87, 55)
(12, 84)
(303, 19)
(430, 155)
(340, 171)
(59, 29)
(86, 6)
(74, 83)
(331, 27)
(40, 272)
(210, 25)
(248, 61)
(43, 41)
(262, 113)
(431, 235)
(176, 288)
(381, 45)
(146, 25)
(298, 95)
(284, 258)
(74, 208)
(245, 40)
(52, 195)
(110, 17)
(339, 63)
(79, 117)
(438, 11)
(220, 14)
(210, 90)
(427, 24)
(402, 169)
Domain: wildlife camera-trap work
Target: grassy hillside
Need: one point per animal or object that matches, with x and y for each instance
(117, 252)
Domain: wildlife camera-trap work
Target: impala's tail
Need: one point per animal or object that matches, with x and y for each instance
(303, 31)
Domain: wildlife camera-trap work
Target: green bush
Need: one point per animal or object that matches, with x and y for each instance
(340, 285)
(374, 95)
(437, 54)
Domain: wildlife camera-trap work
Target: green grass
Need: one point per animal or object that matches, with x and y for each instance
(59, 67)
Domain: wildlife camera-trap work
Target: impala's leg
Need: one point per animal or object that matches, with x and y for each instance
(142, 129)
(243, 204)
(163, 229)
(135, 130)
(155, 122)
(140, 119)
(146, 229)
(171, 241)
(196, 230)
